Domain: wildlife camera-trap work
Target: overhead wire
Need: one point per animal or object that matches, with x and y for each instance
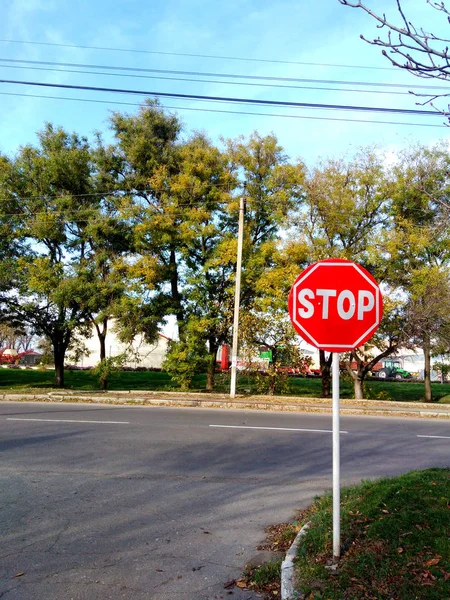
(215, 74)
(241, 83)
(259, 102)
(230, 112)
(191, 55)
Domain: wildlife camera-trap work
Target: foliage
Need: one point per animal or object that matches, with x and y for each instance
(46, 350)
(343, 215)
(51, 185)
(187, 357)
(107, 366)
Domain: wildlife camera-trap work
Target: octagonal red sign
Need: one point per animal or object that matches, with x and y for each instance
(335, 305)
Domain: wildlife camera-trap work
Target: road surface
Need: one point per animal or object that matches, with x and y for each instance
(168, 504)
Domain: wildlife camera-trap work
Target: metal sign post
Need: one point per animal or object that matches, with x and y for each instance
(336, 461)
(336, 306)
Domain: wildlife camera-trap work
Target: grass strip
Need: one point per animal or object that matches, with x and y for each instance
(395, 541)
(25, 380)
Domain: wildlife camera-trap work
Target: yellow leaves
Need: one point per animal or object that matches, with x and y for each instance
(146, 269)
(44, 276)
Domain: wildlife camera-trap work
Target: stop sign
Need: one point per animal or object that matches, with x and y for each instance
(335, 305)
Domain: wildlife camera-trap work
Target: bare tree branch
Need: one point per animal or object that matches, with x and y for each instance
(410, 47)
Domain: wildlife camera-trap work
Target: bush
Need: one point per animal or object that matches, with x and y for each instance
(185, 359)
(445, 399)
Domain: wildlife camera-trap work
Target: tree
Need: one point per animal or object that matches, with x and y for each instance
(197, 202)
(267, 326)
(429, 307)
(417, 243)
(274, 189)
(51, 187)
(342, 216)
(411, 47)
(188, 356)
(144, 152)
(15, 337)
(389, 337)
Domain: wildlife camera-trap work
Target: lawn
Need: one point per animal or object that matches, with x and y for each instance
(395, 541)
(20, 380)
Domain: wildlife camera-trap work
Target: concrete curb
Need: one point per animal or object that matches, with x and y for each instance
(287, 567)
(202, 400)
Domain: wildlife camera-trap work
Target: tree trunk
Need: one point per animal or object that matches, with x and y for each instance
(213, 348)
(272, 384)
(358, 387)
(102, 340)
(427, 370)
(101, 334)
(325, 367)
(358, 375)
(59, 353)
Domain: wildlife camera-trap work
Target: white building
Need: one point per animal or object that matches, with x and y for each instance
(141, 354)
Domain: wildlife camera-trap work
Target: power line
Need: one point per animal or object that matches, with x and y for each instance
(214, 74)
(225, 99)
(213, 56)
(230, 112)
(245, 83)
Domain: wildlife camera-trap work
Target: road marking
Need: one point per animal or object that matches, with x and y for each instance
(275, 428)
(70, 421)
(439, 437)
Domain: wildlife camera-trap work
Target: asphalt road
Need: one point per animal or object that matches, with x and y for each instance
(168, 504)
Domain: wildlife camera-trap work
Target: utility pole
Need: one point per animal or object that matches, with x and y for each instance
(237, 297)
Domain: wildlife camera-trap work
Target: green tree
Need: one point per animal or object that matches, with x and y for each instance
(51, 187)
(144, 152)
(389, 337)
(267, 326)
(418, 245)
(342, 216)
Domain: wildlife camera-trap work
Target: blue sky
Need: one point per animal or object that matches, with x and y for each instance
(316, 32)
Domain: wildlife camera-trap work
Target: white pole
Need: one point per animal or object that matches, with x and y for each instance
(237, 299)
(336, 462)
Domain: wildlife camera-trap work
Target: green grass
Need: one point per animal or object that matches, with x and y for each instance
(395, 541)
(265, 574)
(23, 380)
(20, 380)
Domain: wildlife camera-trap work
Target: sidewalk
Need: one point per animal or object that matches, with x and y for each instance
(206, 400)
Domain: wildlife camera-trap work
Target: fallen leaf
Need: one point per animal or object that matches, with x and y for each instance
(19, 574)
(399, 550)
(433, 561)
(419, 527)
(159, 570)
(229, 584)
(241, 584)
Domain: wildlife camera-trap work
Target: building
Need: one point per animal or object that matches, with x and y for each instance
(140, 354)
